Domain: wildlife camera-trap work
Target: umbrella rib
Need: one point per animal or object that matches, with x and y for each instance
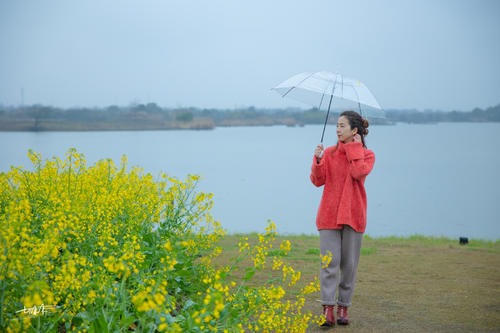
(359, 103)
(334, 85)
(322, 96)
(321, 102)
(329, 105)
(297, 85)
(342, 86)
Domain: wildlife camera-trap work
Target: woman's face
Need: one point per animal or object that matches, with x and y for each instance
(344, 131)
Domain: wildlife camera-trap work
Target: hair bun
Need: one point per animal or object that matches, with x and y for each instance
(366, 124)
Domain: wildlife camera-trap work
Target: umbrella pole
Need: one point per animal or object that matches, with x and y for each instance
(326, 119)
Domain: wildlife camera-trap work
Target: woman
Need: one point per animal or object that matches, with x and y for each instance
(341, 218)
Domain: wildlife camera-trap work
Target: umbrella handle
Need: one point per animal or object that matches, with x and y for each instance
(323, 151)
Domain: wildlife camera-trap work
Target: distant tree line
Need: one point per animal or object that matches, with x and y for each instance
(491, 114)
(151, 116)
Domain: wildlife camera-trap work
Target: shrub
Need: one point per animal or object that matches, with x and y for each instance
(184, 116)
(102, 248)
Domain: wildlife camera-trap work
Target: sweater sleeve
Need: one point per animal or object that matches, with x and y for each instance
(360, 160)
(318, 172)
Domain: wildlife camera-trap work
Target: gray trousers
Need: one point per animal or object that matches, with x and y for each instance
(345, 247)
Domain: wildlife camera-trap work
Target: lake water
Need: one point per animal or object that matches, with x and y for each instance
(439, 180)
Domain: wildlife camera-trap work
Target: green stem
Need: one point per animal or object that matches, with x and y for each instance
(69, 176)
(2, 297)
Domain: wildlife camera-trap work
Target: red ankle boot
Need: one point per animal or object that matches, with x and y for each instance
(328, 312)
(342, 316)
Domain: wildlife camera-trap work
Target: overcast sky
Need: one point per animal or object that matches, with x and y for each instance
(426, 54)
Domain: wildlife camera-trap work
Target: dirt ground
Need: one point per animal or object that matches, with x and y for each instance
(414, 284)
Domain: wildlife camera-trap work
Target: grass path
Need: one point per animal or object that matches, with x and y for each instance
(415, 284)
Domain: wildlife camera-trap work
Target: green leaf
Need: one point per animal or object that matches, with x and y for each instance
(101, 321)
(84, 315)
(183, 273)
(249, 275)
(178, 319)
(126, 321)
(189, 303)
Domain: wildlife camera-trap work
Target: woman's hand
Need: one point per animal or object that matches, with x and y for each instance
(356, 138)
(318, 151)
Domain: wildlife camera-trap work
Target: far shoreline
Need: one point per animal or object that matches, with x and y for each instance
(5, 127)
(145, 117)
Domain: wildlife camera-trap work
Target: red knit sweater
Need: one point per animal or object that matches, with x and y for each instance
(342, 170)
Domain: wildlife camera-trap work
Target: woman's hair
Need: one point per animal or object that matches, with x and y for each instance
(356, 121)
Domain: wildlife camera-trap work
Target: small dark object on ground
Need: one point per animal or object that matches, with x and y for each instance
(463, 240)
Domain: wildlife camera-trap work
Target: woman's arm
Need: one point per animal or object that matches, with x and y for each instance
(318, 167)
(361, 160)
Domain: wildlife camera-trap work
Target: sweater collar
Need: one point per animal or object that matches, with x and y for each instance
(341, 147)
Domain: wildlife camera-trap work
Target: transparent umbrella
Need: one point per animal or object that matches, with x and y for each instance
(320, 88)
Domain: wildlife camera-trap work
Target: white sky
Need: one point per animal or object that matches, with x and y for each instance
(426, 54)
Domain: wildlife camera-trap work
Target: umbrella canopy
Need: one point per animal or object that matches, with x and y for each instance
(320, 88)
(317, 88)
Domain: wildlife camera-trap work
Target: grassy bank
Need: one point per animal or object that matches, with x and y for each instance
(415, 284)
